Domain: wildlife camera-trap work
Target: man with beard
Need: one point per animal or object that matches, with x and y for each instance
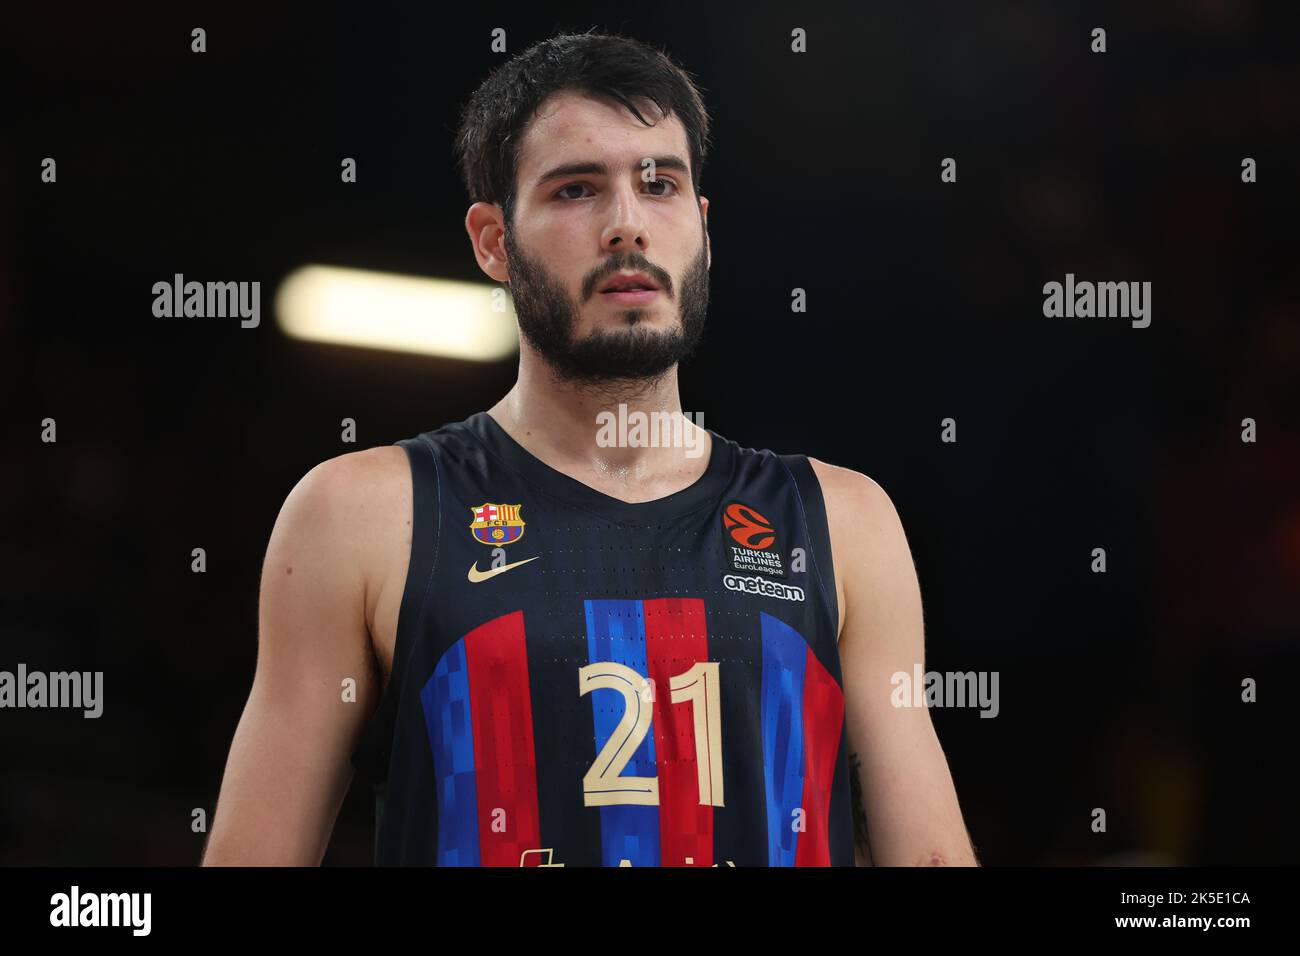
(571, 653)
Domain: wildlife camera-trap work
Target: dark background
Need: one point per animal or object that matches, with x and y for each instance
(1119, 690)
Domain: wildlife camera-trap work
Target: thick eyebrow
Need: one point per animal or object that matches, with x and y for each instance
(600, 169)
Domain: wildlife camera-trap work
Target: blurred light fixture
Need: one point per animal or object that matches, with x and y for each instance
(383, 310)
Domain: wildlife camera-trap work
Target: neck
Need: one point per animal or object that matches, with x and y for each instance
(590, 431)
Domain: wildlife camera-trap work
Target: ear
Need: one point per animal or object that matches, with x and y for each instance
(704, 215)
(485, 224)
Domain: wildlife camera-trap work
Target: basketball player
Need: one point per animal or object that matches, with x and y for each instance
(571, 654)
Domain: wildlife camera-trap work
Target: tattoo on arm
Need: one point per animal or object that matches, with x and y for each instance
(860, 835)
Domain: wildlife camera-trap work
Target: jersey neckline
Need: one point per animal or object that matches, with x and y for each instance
(704, 490)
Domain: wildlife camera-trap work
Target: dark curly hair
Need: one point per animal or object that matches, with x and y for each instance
(496, 114)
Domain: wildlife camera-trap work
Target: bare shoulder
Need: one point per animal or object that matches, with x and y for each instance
(346, 496)
(359, 478)
(852, 497)
(868, 544)
(356, 508)
(369, 493)
(348, 508)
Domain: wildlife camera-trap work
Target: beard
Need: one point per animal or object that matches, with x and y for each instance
(548, 316)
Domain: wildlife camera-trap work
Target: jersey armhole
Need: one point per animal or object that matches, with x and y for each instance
(426, 516)
(812, 504)
(373, 756)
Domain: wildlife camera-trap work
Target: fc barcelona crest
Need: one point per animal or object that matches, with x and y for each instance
(497, 524)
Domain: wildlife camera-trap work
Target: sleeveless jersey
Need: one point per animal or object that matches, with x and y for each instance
(583, 681)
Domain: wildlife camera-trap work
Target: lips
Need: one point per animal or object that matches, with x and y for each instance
(636, 282)
(631, 296)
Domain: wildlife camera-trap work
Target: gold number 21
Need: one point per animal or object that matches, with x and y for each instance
(602, 785)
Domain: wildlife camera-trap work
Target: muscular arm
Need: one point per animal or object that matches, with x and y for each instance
(905, 804)
(289, 764)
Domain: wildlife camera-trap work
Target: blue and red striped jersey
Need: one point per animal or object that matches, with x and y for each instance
(583, 681)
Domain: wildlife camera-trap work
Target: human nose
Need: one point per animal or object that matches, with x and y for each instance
(627, 228)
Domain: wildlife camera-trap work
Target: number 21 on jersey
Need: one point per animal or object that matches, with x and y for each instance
(602, 785)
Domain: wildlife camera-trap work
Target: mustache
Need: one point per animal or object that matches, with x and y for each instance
(632, 263)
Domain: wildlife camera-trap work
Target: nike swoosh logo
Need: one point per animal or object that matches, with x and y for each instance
(475, 575)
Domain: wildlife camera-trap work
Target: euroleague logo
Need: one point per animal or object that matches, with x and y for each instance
(748, 527)
(751, 540)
